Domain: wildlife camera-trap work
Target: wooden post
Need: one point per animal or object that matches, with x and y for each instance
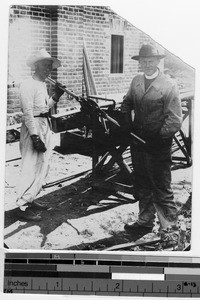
(92, 85)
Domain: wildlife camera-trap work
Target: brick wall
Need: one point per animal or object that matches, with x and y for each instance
(29, 30)
(62, 30)
(70, 48)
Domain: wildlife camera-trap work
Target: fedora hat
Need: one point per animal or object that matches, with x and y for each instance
(40, 55)
(147, 50)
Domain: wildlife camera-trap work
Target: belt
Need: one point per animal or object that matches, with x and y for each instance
(43, 115)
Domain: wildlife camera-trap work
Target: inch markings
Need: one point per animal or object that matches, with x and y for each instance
(96, 286)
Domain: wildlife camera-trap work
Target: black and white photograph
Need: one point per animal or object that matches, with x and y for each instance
(99, 134)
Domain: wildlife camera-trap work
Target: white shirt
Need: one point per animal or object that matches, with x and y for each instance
(34, 100)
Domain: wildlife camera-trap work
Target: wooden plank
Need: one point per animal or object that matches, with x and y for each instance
(66, 113)
(184, 151)
(89, 71)
(85, 73)
(113, 187)
(14, 126)
(134, 244)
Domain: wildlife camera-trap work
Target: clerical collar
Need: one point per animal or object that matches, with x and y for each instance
(153, 76)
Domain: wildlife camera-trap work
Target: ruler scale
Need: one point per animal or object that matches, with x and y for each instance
(102, 274)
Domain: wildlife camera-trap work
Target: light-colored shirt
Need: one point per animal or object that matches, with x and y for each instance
(34, 100)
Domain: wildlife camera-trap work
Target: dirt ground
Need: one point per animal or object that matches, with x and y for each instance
(80, 217)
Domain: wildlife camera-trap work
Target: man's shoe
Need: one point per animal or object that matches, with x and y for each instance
(171, 237)
(29, 215)
(38, 206)
(137, 227)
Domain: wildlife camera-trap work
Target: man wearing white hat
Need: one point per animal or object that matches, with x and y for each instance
(35, 135)
(155, 101)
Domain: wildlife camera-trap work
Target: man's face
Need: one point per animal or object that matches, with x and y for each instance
(149, 65)
(43, 68)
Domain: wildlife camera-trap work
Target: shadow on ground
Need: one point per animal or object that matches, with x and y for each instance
(72, 202)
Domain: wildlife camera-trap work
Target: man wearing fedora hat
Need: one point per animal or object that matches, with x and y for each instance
(152, 110)
(35, 135)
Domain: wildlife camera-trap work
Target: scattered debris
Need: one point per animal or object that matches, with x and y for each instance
(82, 217)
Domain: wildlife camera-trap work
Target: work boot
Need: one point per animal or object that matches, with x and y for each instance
(38, 206)
(29, 215)
(137, 227)
(170, 237)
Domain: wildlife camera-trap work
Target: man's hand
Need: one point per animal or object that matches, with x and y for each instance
(58, 92)
(38, 144)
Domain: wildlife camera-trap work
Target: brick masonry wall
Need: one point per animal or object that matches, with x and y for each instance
(29, 30)
(70, 48)
(62, 30)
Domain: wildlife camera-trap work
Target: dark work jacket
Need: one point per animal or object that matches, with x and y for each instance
(157, 111)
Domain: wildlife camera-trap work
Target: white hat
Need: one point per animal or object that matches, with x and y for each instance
(40, 55)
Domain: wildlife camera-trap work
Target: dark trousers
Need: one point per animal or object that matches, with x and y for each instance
(152, 183)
